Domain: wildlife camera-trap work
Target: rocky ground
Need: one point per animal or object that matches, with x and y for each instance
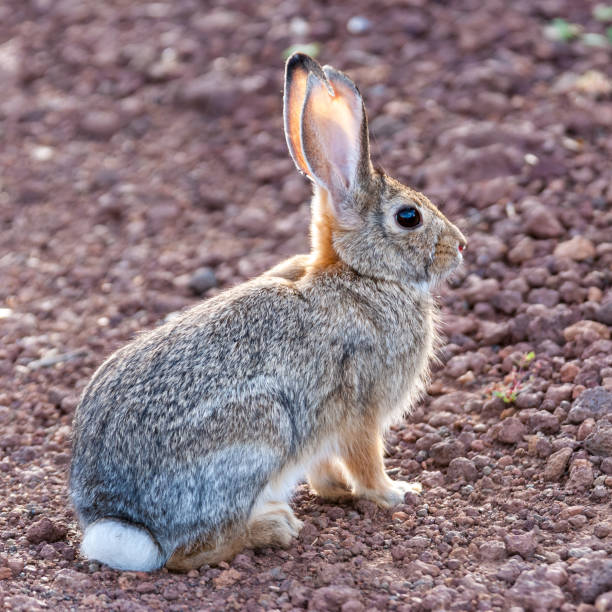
(143, 165)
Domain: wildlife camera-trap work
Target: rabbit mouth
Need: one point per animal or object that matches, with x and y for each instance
(447, 259)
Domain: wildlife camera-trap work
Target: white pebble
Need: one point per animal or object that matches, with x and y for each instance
(358, 25)
(42, 153)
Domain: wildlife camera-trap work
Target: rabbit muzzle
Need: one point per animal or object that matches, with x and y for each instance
(448, 254)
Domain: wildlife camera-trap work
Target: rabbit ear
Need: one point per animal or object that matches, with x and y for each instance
(297, 70)
(328, 135)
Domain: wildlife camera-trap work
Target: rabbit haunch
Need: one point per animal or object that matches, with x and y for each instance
(189, 441)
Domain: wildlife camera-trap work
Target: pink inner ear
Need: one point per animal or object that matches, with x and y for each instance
(345, 144)
(331, 128)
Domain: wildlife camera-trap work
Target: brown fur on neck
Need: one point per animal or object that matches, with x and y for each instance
(322, 227)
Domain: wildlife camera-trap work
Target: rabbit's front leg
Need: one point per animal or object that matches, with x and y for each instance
(362, 455)
(328, 479)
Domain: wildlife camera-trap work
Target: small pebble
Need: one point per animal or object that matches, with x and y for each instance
(358, 25)
(202, 280)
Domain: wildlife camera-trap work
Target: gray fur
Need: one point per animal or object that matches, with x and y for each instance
(180, 430)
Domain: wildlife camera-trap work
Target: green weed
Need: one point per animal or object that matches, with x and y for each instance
(517, 381)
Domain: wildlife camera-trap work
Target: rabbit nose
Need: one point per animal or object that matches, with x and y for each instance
(460, 238)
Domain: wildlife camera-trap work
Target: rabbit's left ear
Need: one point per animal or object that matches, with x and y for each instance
(326, 128)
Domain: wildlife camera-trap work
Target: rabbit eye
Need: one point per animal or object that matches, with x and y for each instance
(408, 217)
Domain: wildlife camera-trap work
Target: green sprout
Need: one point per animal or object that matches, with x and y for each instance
(518, 381)
(562, 30)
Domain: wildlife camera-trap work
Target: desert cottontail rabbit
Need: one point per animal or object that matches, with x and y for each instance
(189, 440)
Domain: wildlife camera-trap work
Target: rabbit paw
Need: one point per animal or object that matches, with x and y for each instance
(274, 525)
(333, 491)
(295, 525)
(329, 482)
(393, 494)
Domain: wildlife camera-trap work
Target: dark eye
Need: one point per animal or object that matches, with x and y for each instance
(408, 217)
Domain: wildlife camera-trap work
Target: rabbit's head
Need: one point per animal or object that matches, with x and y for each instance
(362, 217)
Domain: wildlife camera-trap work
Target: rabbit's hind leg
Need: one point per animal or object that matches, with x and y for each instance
(272, 524)
(208, 552)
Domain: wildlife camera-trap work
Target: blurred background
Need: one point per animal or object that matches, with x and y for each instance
(143, 163)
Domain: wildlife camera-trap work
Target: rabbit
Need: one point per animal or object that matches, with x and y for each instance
(189, 441)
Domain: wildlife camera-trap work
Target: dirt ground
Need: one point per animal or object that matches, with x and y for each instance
(143, 166)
